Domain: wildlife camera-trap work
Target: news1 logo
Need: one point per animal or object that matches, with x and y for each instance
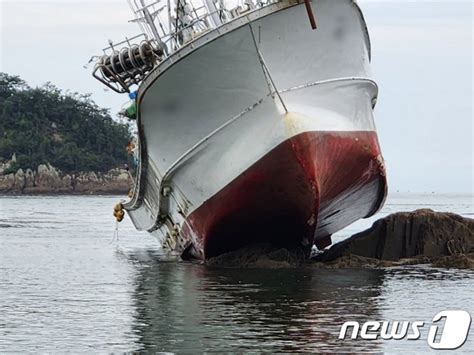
(453, 335)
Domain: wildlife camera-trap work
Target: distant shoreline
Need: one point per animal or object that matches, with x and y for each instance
(47, 180)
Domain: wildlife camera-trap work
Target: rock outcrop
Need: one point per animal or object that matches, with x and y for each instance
(262, 255)
(49, 180)
(424, 236)
(422, 233)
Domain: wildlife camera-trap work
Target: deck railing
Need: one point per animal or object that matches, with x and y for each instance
(166, 26)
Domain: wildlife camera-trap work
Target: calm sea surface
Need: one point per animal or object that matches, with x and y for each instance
(65, 286)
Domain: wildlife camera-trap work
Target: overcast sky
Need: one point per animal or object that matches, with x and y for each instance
(422, 60)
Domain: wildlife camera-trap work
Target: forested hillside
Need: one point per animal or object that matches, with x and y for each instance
(69, 131)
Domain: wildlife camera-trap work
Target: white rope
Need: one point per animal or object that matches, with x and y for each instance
(116, 233)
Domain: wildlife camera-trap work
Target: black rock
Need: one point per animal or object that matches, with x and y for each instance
(421, 233)
(405, 238)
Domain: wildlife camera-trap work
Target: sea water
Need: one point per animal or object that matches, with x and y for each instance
(67, 285)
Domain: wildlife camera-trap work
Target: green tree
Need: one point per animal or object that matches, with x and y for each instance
(67, 130)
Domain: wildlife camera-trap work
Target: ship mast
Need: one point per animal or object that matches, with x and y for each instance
(143, 15)
(212, 10)
(149, 20)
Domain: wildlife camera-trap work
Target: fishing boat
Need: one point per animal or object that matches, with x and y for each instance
(255, 122)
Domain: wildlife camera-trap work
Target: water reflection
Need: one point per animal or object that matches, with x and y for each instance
(65, 287)
(184, 307)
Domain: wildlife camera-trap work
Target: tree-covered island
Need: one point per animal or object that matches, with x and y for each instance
(66, 132)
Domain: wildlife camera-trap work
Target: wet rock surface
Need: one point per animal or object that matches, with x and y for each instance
(441, 239)
(408, 235)
(259, 256)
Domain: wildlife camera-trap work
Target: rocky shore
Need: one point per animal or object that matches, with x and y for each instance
(441, 239)
(48, 180)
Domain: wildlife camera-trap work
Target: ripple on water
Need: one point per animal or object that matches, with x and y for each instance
(68, 288)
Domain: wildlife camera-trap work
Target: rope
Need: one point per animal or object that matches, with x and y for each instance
(116, 233)
(119, 213)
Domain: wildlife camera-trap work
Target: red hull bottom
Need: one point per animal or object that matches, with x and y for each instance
(298, 194)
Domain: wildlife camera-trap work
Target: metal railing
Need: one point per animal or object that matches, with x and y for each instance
(173, 23)
(166, 26)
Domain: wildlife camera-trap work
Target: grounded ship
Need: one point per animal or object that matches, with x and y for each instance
(254, 122)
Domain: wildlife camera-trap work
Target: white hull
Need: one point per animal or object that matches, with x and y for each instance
(219, 105)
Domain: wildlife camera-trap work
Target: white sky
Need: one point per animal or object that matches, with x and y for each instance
(422, 60)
